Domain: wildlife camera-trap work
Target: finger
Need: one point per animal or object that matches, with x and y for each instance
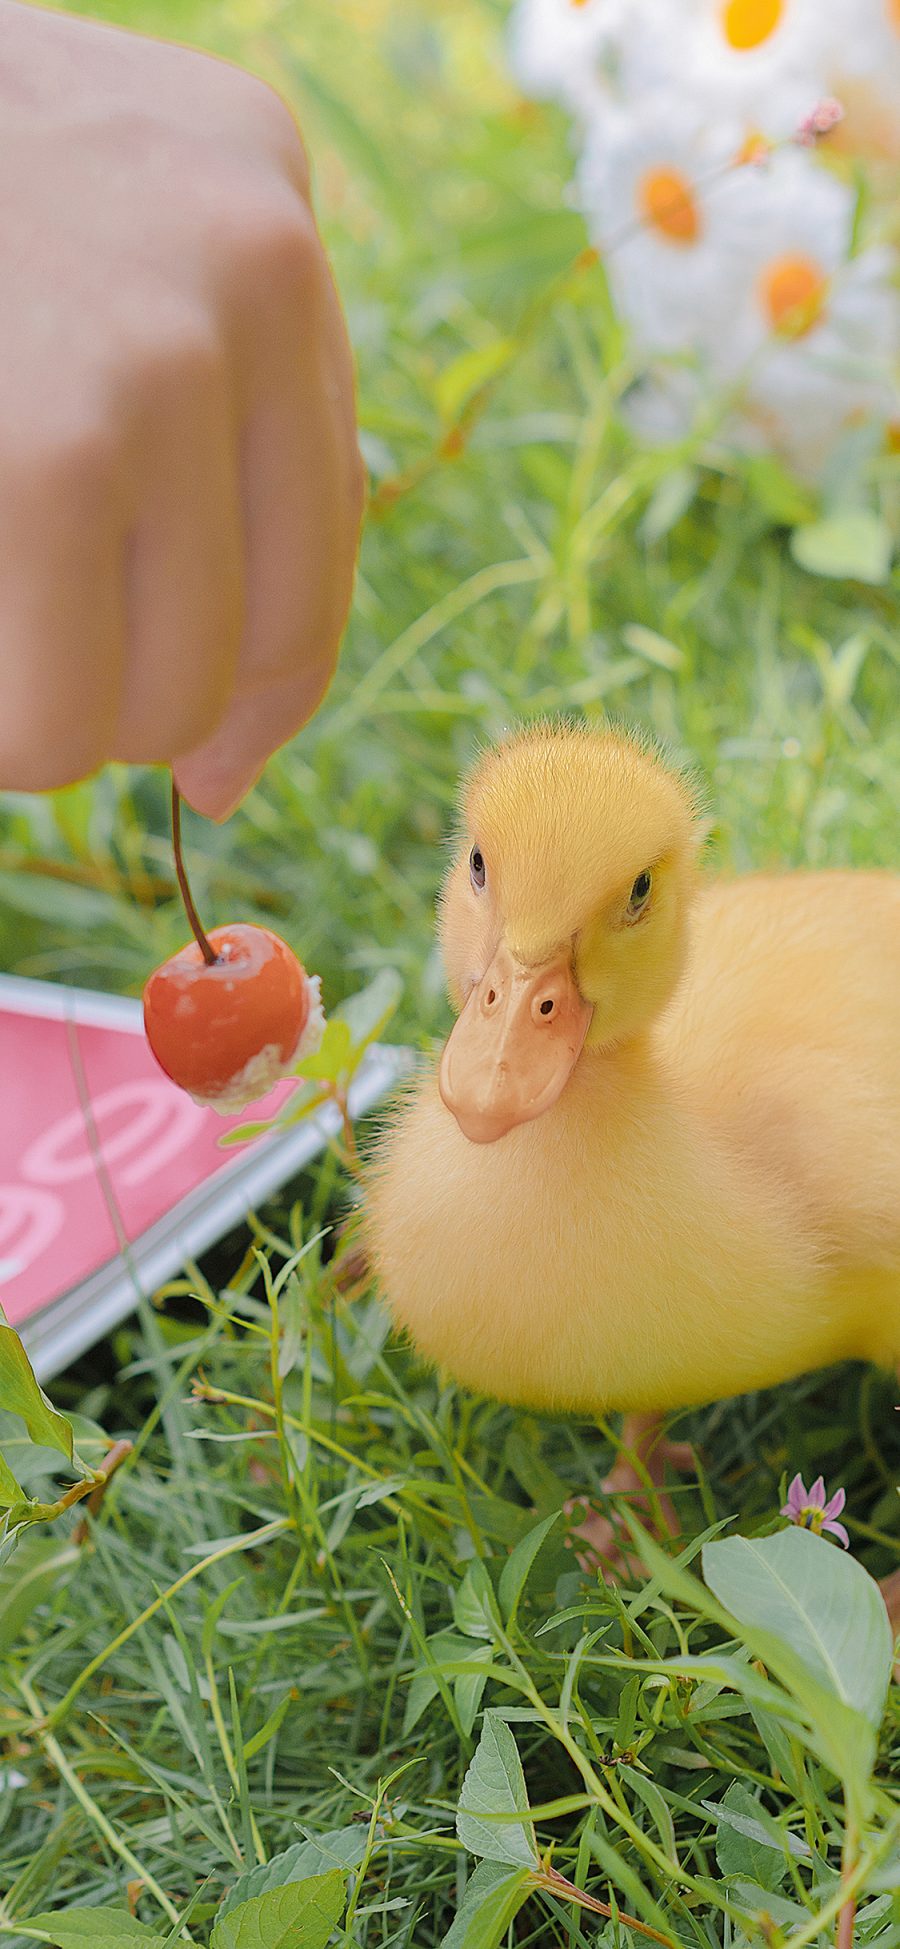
(184, 559)
(61, 616)
(302, 508)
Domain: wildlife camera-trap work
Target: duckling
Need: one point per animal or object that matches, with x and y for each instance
(659, 1161)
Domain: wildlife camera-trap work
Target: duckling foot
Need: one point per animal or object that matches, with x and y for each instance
(599, 1541)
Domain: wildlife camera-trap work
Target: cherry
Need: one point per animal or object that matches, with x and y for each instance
(232, 1012)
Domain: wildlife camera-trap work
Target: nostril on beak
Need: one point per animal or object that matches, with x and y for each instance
(491, 997)
(547, 1006)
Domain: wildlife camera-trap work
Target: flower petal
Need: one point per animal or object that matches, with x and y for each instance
(836, 1504)
(838, 1530)
(816, 1496)
(796, 1498)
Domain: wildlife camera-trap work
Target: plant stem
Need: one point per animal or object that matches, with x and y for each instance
(843, 1938)
(196, 926)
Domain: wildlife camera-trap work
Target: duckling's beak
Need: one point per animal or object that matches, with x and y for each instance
(514, 1046)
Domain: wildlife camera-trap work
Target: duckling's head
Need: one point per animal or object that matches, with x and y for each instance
(563, 918)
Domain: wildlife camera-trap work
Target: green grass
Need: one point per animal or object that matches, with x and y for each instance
(503, 582)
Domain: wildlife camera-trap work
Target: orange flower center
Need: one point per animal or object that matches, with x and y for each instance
(667, 203)
(793, 290)
(747, 23)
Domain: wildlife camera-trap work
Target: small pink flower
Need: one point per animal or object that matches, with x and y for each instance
(809, 1509)
(820, 121)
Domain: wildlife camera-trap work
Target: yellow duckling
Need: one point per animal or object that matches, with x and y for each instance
(660, 1160)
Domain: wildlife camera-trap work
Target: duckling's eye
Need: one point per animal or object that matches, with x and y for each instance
(476, 868)
(639, 895)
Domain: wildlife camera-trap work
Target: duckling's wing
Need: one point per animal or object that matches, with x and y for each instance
(787, 1027)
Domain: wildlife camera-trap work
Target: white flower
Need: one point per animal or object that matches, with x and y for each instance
(812, 337)
(759, 62)
(806, 223)
(665, 403)
(558, 49)
(862, 55)
(674, 220)
(835, 368)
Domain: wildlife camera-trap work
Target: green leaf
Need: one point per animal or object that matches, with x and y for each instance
(40, 1564)
(327, 1063)
(11, 1493)
(786, 1760)
(32, 1463)
(341, 1848)
(79, 911)
(368, 1013)
(468, 1688)
(780, 496)
(95, 1928)
(20, 1394)
(658, 1808)
(473, 1602)
(668, 502)
(648, 643)
(517, 1568)
(625, 1877)
(818, 1601)
(494, 1787)
(744, 1844)
(297, 1915)
(466, 375)
(760, 1902)
(854, 544)
(444, 1648)
(491, 1902)
(840, 1734)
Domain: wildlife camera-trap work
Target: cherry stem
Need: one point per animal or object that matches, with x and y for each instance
(196, 926)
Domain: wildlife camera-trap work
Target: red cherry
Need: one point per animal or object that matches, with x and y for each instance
(226, 1030)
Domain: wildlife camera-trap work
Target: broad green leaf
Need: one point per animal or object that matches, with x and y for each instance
(818, 1601)
(517, 1567)
(757, 1901)
(20, 1394)
(468, 1688)
(743, 1844)
(11, 1491)
(341, 1848)
(493, 1898)
(95, 1928)
(32, 1462)
(840, 1734)
(465, 375)
(648, 643)
(494, 1787)
(41, 1563)
(473, 1602)
(855, 544)
(297, 1915)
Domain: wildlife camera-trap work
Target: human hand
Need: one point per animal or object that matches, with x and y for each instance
(180, 484)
